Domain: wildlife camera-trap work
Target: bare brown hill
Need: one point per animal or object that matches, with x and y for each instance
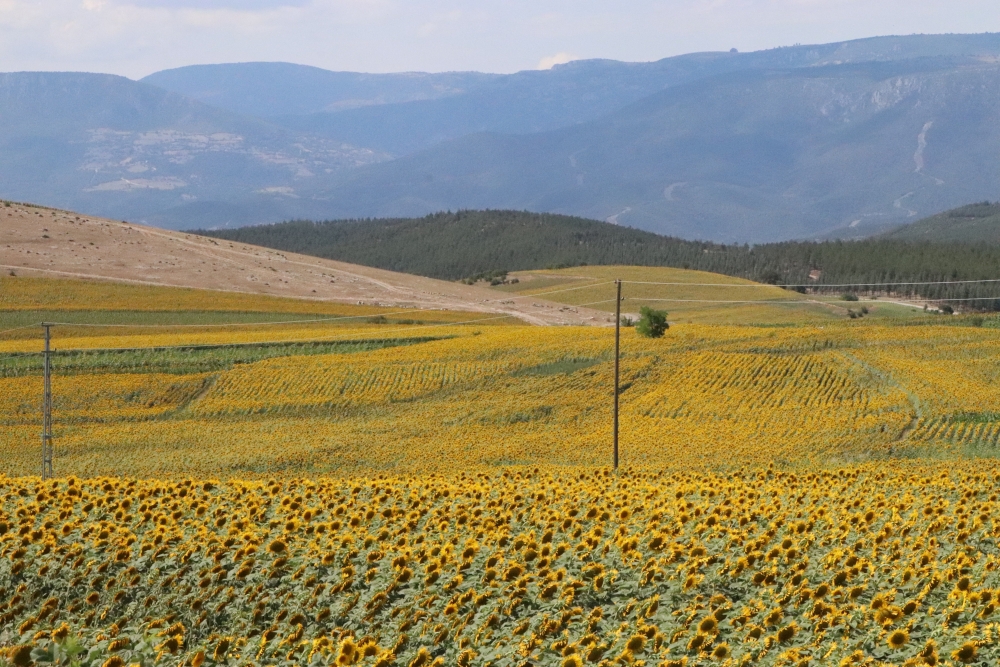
(43, 241)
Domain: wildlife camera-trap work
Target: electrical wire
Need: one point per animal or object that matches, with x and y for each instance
(304, 321)
(27, 326)
(312, 339)
(236, 324)
(639, 298)
(823, 285)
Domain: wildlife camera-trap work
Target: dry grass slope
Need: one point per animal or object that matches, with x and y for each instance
(48, 242)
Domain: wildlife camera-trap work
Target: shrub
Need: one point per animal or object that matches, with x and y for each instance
(652, 323)
(847, 296)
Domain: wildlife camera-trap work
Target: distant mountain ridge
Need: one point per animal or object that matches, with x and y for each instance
(406, 112)
(802, 141)
(750, 156)
(280, 89)
(975, 223)
(104, 143)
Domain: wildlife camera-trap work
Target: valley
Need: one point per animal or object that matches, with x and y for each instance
(687, 363)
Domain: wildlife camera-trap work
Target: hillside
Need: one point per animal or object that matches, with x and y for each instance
(458, 245)
(975, 223)
(452, 246)
(754, 156)
(55, 243)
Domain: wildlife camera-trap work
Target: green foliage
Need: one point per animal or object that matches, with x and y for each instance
(975, 223)
(848, 296)
(466, 245)
(497, 277)
(652, 323)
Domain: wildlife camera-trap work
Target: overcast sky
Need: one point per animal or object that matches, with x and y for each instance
(138, 37)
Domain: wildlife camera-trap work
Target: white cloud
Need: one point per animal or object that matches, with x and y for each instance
(561, 58)
(137, 37)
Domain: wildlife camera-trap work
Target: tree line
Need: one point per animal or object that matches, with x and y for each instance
(471, 244)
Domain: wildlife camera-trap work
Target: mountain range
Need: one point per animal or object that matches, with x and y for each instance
(842, 139)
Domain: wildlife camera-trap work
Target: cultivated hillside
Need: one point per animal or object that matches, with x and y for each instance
(56, 243)
(975, 223)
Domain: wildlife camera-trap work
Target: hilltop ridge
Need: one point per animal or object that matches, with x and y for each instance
(975, 223)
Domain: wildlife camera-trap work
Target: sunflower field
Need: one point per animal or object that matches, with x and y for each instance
(422, 496)
(852, 566)
(422, 400)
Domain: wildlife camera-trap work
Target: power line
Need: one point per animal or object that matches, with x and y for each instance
(305, 321)
(366, 336)
(777, 301)
(761, 285)
(27, 326)
(238, 324)
(568, 289)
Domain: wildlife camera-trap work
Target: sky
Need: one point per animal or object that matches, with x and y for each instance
(137, 37)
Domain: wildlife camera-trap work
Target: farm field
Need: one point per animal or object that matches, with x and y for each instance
(698, 297)
(376, 492)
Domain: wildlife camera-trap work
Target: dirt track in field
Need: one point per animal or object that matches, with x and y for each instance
(60, 244)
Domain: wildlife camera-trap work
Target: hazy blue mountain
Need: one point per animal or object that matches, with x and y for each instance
(746, 156)
(110, 146)
(403, 113)
(801, 141)
(275, 89)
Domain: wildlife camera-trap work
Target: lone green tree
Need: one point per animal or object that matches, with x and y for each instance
(652, 323)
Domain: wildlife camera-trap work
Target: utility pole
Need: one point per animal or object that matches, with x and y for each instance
(618, 329)
(47, 410)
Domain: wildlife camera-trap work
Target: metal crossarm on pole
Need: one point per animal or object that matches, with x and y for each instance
(47, 408)
(618, 327)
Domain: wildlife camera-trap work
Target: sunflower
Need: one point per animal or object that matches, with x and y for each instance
(709, 625)
(572, 660)
(636, 643)
(898, 639)
(222, 649)
(786, 633)
(966, 652)
(347, 652)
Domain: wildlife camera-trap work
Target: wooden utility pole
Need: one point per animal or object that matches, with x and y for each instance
(618, 329)
(47, 410)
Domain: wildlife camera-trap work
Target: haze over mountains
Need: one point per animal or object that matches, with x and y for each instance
(797, 142)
